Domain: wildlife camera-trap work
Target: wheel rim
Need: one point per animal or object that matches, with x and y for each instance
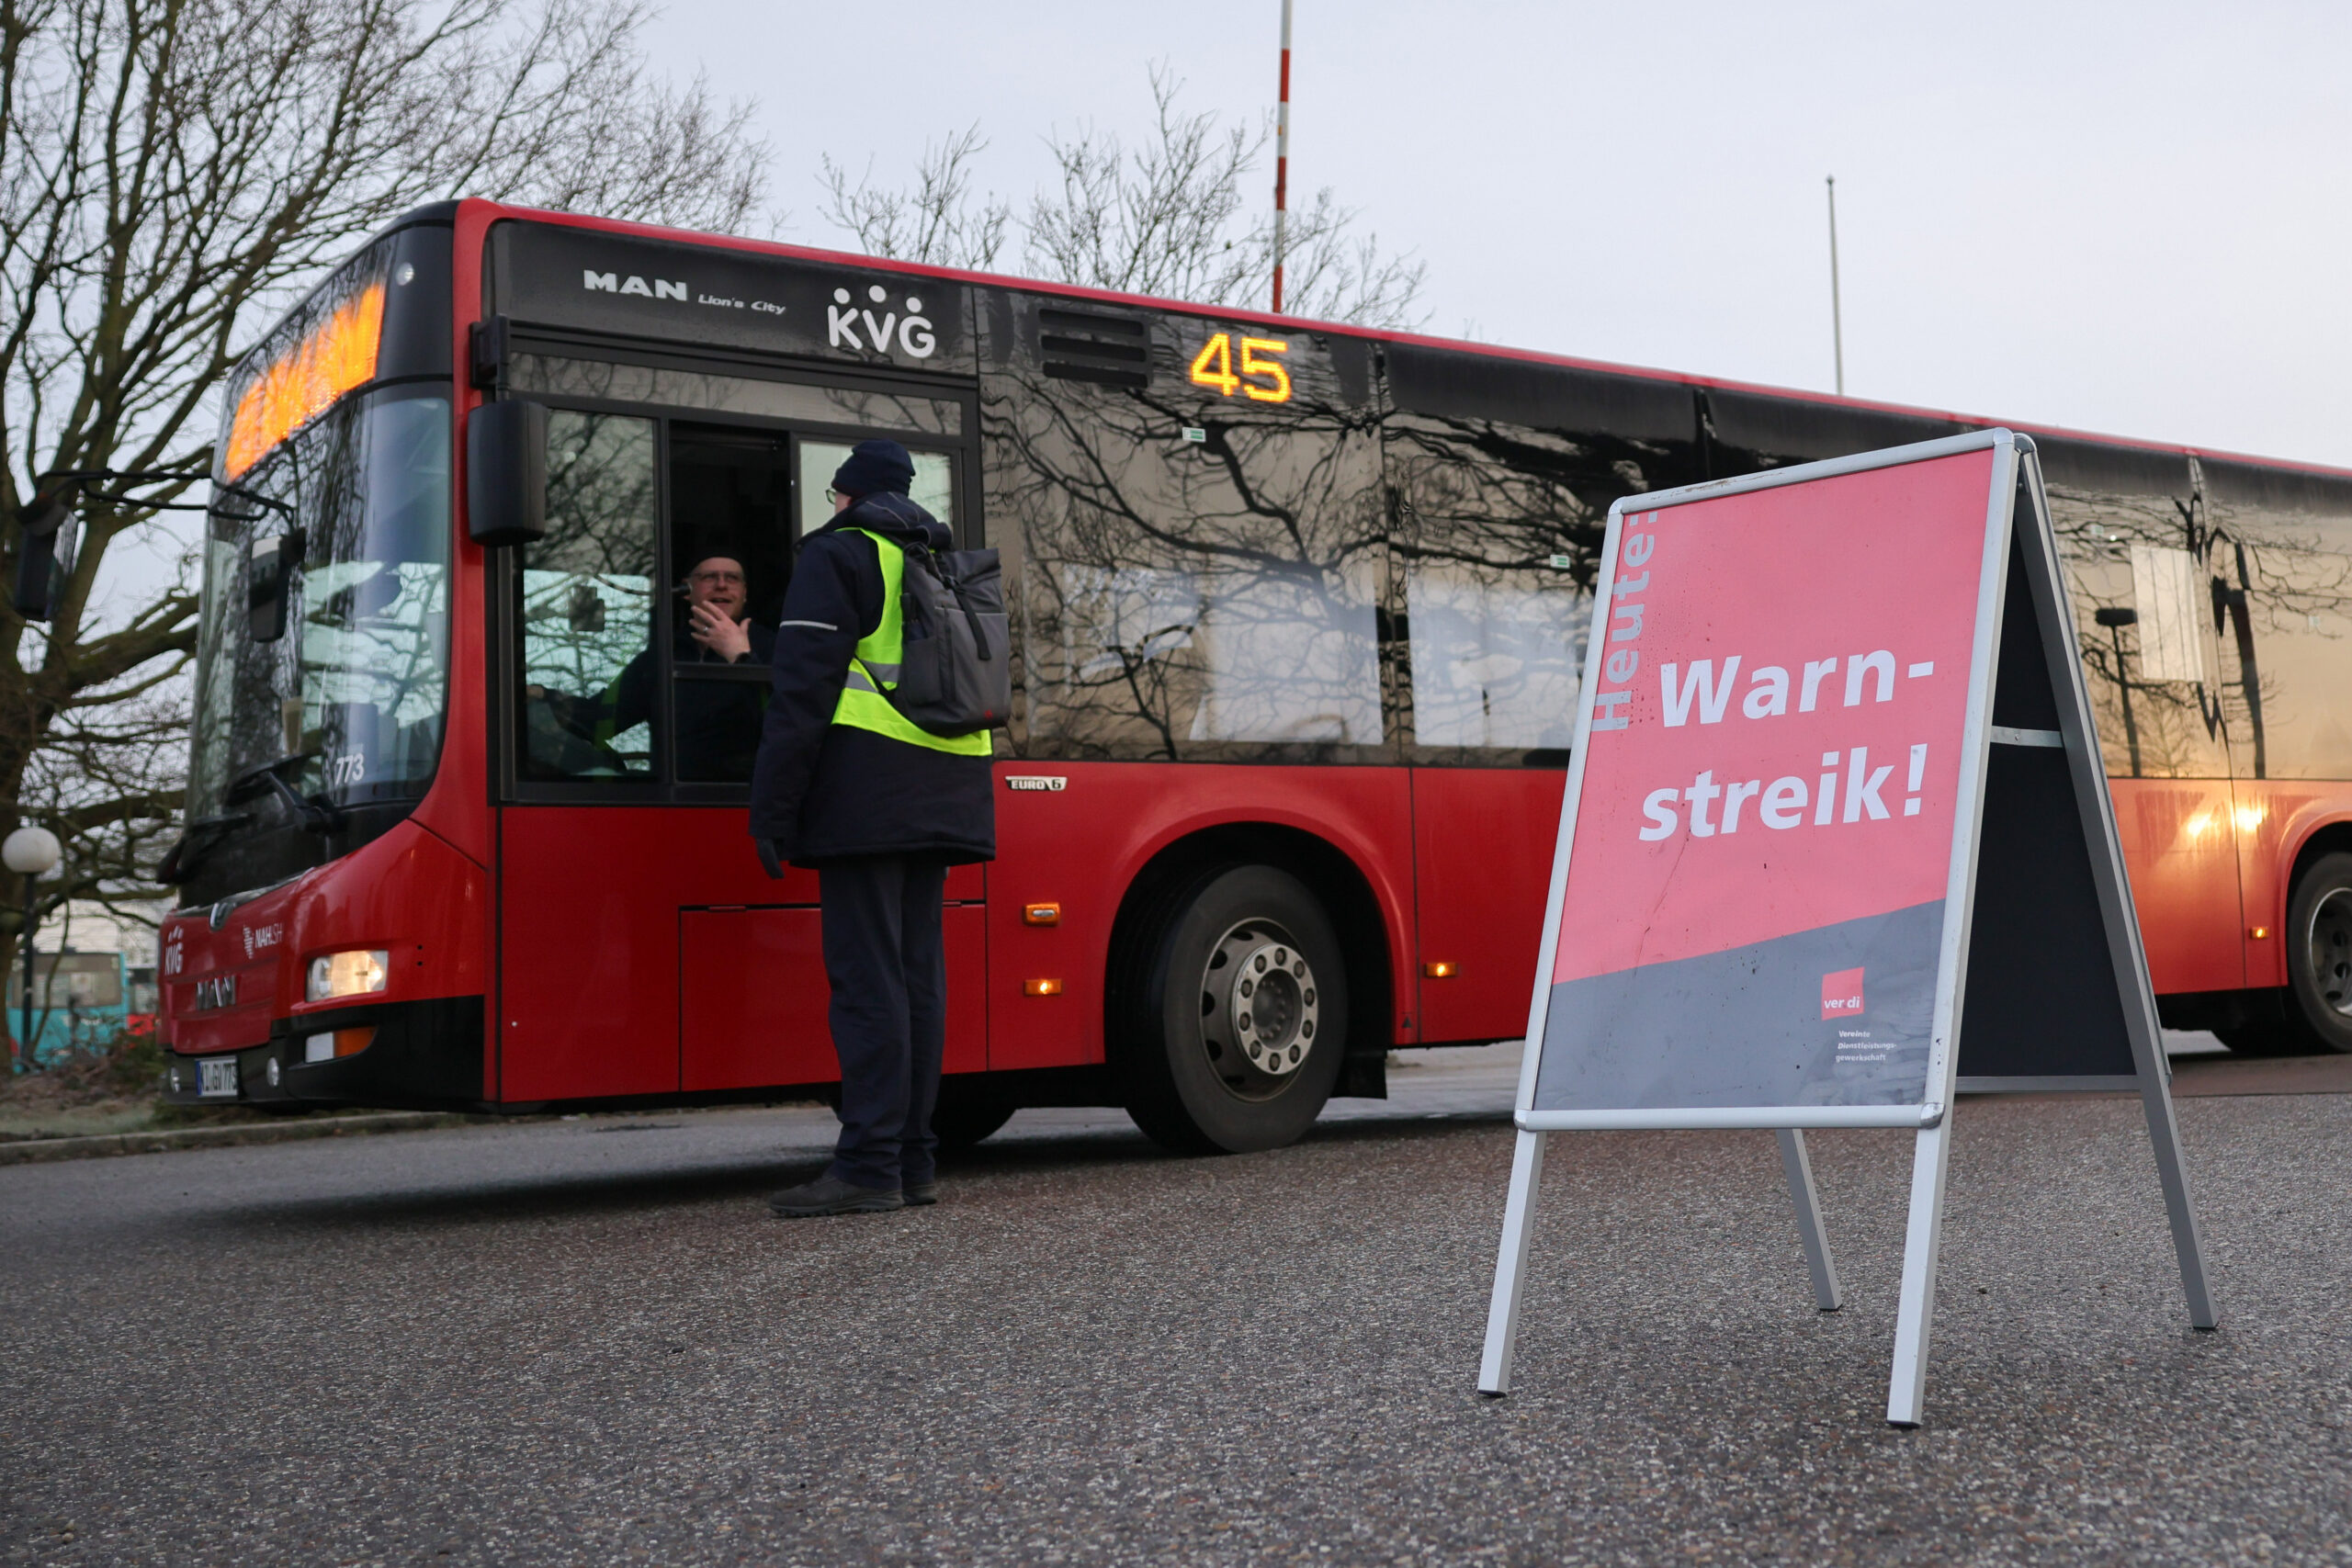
(2330, 944)
(1260, 1006)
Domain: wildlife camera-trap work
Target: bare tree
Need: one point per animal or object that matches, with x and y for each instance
(171, 173)
(1173, 215)
(936, 221)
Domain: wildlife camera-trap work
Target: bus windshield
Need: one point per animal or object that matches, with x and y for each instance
(348, 702)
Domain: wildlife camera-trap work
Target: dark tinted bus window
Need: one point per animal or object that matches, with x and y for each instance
(2139, 565)
(587, 592)
(1192, 512)
(2282, 563)
(730, 549)
(1504, 473)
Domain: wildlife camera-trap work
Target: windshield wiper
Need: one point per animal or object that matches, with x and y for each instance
(198, 838)
(205, 834)
(320, 816)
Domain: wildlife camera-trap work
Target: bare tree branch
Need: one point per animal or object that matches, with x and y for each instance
(173, 173)
(935, 222)
(1173, 215)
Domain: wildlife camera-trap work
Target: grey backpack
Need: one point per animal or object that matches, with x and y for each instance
(955, 675)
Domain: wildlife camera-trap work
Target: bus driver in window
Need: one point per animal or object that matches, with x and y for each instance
(719, 722)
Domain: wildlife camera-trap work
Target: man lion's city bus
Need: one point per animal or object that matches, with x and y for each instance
(1298, 614)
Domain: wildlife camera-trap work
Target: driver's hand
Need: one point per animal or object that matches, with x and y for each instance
(719, 632)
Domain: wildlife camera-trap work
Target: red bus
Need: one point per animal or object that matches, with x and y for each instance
(1298, 611)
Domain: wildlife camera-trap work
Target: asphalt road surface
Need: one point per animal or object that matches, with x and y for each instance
(586, 1342)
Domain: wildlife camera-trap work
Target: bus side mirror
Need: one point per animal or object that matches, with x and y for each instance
(47, 530)
(269, 584)
(506, 473)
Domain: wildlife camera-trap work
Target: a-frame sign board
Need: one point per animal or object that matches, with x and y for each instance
(1836, 844)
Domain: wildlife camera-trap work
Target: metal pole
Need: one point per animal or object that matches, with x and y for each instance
(1282, 158)
(1810, 1230)
(25, 1033)
(1836, 322)
(1511, 1265)
(1915, 1308)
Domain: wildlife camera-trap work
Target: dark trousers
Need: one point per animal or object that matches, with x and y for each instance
(888, 973)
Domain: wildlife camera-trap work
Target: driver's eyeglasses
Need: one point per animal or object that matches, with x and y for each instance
(733, 577)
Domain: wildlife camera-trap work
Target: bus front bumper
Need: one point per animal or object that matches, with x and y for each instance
(423, 1056)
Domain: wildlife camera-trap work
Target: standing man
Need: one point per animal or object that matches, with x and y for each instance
(881, 808)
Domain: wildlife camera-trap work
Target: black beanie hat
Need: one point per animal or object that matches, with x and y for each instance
(875, 466)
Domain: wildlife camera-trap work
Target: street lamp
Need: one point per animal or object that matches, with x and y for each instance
(31, 853)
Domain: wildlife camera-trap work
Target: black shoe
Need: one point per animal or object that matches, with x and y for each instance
(920, 1194)
(829, 1194)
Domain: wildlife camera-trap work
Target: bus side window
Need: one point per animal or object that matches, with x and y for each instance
(2282, 558)
(586, 610)
(1504, 474)
(934, 489)
(2138, 558)
(731, 549)
(1200, 574)
(1498, 566)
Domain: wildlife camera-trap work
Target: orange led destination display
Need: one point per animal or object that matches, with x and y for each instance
(1262, 375)
(336, 354)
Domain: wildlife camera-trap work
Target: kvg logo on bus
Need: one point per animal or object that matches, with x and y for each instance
(847, 325)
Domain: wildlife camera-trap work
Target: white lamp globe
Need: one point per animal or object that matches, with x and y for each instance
(31, 852)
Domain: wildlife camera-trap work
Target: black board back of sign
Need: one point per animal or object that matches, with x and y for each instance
(2038, 1001)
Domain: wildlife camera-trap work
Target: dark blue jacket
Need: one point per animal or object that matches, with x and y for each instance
(825, 791)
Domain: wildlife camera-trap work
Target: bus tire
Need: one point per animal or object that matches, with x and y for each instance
(963, 1117)
(2318, 953)
(1233, 1041)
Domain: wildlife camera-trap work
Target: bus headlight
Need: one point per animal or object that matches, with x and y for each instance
(354, 974)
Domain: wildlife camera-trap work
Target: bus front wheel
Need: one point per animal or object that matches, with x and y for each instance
(1233, 1040)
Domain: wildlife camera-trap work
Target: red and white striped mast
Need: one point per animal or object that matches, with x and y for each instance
(1282, 158)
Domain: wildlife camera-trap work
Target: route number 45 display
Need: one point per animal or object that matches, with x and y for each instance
(1213, 367)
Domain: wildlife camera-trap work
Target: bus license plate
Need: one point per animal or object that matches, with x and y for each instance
(217, 1077)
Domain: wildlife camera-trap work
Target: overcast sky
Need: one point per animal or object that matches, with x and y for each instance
(2123, 217)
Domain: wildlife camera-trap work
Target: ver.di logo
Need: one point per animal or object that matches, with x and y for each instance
(1841, 994)
(848, 325)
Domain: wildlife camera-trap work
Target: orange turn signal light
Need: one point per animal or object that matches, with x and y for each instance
(325, 1046)
(1041, 914)
(1441, 969)
(1041, 988)
(2258, 933)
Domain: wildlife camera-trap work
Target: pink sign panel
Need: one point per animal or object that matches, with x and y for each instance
(1763, 837)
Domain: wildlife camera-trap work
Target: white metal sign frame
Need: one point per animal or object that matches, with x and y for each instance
(2013, 460)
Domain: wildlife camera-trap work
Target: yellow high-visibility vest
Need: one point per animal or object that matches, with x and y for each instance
(873, 669)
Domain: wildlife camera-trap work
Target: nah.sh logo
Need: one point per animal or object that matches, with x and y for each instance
(1841, 994)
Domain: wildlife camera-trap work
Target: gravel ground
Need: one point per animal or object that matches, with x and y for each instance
(586, 1342)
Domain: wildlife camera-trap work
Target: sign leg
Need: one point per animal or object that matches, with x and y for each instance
(1907, 1390)
(2164, 1133)
(1809, 1227)
(1511, 1265)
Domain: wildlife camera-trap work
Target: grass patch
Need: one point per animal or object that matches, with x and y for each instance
(116, 1087)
